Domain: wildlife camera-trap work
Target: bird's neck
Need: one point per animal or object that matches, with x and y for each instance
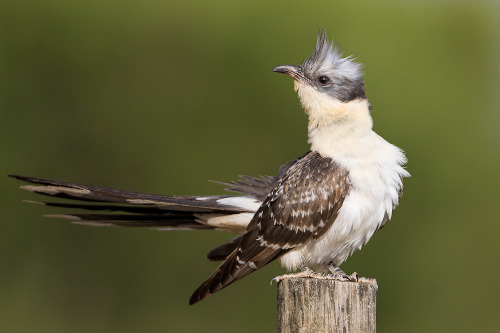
(336, 128)
(338, 139)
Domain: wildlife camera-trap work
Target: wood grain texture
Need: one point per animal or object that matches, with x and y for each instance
(308, 305)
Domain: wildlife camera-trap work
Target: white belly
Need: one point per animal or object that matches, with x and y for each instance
(359, 217)
(372, 197)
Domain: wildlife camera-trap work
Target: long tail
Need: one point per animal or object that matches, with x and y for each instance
(113, 207)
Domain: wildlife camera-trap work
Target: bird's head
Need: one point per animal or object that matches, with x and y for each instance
(330, 87)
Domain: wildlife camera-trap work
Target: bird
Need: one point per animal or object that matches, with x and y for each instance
(312, 215)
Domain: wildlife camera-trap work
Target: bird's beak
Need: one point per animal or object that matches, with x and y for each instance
(294, 71)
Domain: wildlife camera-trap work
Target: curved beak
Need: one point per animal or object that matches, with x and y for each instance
(295, 72)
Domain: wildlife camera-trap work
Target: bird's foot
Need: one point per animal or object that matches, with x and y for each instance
(339, 274)
(306, 273)
(336, 273)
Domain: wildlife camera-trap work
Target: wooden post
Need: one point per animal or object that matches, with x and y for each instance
(318, 305)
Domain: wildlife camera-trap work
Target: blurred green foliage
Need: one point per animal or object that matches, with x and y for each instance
(160, 96)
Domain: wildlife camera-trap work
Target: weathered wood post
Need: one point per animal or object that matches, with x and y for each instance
(316, 305)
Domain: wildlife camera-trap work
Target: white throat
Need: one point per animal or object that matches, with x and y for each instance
(335, 129)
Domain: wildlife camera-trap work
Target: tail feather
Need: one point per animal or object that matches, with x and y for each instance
(113, 207)
(127, 220)
(121, 208)
(93, 193)
(103, 207)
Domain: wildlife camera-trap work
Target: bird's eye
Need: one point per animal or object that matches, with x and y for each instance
(323, 80)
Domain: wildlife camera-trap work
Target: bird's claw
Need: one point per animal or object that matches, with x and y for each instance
(305, 273)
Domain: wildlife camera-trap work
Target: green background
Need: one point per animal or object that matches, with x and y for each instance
(159, 96)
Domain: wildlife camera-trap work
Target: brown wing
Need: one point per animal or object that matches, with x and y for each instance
(302, 206)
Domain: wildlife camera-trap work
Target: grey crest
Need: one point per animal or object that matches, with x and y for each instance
(344, 75)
